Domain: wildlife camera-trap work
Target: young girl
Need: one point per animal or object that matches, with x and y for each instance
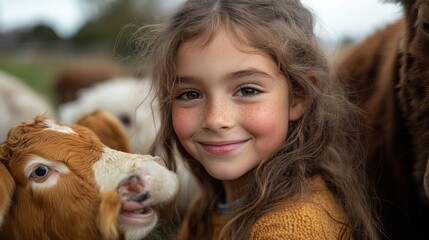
(247, 99)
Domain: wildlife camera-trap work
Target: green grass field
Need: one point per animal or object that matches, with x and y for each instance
(36, 72)
(39, 71)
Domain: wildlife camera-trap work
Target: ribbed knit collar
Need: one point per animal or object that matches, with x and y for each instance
(227, 208)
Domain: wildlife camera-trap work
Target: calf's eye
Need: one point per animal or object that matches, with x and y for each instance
(125, 119)
(40, 172)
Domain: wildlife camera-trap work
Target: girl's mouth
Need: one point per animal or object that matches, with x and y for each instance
(221, 148)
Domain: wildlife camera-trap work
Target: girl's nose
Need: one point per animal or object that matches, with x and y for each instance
(218, 116)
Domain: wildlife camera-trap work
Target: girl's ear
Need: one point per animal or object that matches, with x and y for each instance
(298, 105)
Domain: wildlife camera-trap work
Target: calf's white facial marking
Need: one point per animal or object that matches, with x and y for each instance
(51, 125)
(119, 165)
(137, 218)
(44, 173)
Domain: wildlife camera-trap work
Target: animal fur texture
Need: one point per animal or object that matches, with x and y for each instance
(128, 99)
(61, 182)
(73, 77)
(108, 128)
(388, 77)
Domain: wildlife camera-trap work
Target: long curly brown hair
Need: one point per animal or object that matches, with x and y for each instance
(323, 142)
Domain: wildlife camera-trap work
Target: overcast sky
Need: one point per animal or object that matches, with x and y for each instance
(336, 18)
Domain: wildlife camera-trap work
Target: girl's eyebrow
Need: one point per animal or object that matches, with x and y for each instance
(251, 72)
(185, 79)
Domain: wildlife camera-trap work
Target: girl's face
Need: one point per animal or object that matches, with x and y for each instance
(231, 108)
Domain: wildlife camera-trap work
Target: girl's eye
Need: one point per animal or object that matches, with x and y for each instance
(40, 172)
(247, 91)
(189, 95)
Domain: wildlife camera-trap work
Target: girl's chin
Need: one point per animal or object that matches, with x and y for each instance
(226, 174)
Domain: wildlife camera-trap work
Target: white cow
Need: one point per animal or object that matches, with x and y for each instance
(18, 103)
(132, 102)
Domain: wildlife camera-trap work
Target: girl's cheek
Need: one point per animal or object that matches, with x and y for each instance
(269, 128)
(182, 122)
(267, 123)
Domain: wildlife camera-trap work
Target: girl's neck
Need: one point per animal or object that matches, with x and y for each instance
(235, 189)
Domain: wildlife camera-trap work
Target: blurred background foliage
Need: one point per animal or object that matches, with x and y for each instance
(37, 54)
(116, 23)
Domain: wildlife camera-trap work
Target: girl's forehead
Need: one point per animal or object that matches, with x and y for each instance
(204, 39)
(222, 40)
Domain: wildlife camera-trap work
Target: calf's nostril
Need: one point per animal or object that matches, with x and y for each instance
(132, 185)
(132, 189)
(137, 198)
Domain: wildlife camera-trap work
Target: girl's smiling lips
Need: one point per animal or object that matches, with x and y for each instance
(222, 147)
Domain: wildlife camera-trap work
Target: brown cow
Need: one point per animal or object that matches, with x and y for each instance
(60, 182)
(74, 77)
(388, 75)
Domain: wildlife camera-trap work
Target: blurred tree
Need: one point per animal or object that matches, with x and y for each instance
(44, 33)
(41, 36)
(115, 24)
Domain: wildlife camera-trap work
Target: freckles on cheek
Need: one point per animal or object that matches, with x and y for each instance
(268, 126)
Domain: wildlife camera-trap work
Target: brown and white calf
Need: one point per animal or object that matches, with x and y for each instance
(60, 182)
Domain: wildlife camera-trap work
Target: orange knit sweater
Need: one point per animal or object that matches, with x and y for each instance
(319, 216)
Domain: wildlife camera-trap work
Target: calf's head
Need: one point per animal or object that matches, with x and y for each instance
(61, 182)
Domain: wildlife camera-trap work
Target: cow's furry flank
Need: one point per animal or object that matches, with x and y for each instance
(387, 75)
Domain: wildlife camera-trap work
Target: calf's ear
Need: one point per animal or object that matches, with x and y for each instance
(108, 129)
(7, 187)
(110, 206)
